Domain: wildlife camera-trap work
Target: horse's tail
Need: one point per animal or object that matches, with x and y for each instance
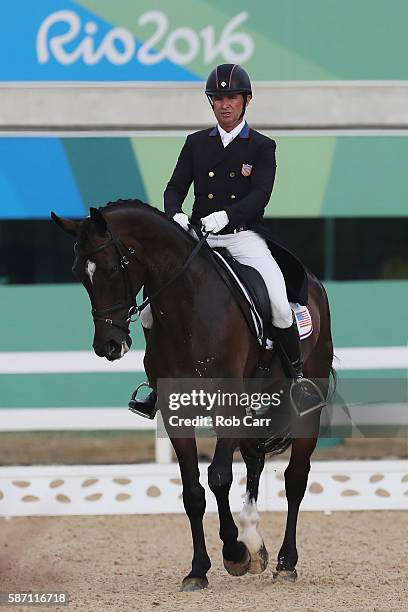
(333, 375)
(277, 444)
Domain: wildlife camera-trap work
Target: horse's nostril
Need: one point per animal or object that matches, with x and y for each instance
(113, 348)
(110, 349)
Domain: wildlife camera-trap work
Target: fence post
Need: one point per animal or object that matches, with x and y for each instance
(163, 446)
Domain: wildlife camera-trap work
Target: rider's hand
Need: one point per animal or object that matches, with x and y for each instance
(215, 222)
(182, 220)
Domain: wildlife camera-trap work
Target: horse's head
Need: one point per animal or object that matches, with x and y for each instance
(101, 264)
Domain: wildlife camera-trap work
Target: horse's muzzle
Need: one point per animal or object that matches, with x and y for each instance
(112, 349)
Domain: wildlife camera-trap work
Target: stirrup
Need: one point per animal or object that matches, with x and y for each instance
(305, 396)
(144, 408)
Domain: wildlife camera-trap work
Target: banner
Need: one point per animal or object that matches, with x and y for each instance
(68, 175)
(101, 40)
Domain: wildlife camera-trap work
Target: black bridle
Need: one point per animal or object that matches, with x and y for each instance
(125, 254)
(106, 314)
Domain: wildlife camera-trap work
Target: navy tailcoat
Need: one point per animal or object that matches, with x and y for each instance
(239, 180)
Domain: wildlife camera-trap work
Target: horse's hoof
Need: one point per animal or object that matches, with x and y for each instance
(259, 561)
(193, 584)
(284, 576)
(238, 568)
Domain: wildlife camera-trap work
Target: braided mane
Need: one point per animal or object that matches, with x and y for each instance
(135, 204)
(121, 203)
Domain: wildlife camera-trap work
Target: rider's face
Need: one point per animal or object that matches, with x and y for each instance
(228, 109)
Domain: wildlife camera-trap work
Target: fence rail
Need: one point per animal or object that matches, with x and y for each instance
(150, 488)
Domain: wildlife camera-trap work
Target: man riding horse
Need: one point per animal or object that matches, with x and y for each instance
(202, 328)
(233, 170)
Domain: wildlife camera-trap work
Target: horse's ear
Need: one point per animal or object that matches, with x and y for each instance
(68, 225)
(98, 220)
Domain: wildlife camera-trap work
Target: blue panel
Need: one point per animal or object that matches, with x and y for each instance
(19, 43)
(35, 178)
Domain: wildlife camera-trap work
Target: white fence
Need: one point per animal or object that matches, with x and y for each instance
(151, 488)
(34, 362)
(70, 419)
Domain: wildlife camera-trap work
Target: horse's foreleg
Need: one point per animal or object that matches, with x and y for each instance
(194, 504)
(235, 554)
(296, 475)
(254, 457)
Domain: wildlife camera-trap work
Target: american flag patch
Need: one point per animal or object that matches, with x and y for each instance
(303, 320)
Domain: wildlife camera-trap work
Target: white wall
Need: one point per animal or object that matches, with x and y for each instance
(280, 105)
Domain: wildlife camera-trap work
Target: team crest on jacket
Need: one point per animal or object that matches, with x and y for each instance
(246, 169)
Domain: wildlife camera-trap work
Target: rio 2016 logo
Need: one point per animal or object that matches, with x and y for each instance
(119, 45)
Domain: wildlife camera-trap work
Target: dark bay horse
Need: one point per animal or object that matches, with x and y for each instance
(128, 245)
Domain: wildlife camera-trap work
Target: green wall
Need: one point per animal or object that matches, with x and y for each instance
(57, 318)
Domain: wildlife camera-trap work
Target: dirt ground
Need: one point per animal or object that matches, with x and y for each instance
(349, 561)
(55, 448)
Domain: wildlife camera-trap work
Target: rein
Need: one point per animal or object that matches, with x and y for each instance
(123, 252)
(193, 253)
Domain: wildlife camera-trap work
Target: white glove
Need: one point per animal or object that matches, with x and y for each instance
(215, 222)
(182, 220)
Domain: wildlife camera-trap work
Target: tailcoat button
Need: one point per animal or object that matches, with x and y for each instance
(211, 174)
(232, 174)
(210, 196)
(232, 196)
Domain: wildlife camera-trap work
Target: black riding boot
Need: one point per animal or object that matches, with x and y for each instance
(306, 397)
(290, 342)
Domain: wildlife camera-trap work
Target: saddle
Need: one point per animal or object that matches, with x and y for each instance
(249, 284)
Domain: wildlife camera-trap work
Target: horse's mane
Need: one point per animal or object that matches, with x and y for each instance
(132, 205)
(130, 202)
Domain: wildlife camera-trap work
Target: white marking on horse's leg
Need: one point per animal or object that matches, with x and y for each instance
(146, 317)
(248, 520)
(90, 268)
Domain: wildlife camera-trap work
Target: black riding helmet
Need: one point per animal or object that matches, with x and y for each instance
(229, 79)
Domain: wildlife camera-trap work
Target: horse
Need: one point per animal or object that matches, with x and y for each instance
(129, 245)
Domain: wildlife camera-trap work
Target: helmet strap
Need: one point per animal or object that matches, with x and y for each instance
(244, 105)
(210, 100)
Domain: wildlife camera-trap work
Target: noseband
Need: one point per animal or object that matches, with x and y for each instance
(123, 252)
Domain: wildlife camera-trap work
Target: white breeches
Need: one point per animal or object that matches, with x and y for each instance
(251, 250)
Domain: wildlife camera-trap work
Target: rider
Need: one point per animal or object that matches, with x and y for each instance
(233, 170)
